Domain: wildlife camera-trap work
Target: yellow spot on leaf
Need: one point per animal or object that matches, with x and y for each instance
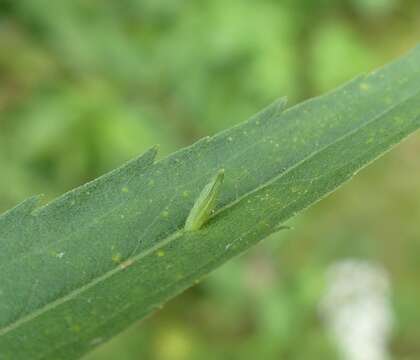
(76, 328)
(364, 86)
(116, 258)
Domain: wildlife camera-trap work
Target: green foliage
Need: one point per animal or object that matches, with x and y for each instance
(87, 85)
(83, 267)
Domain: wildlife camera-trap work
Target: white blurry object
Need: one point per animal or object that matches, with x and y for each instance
(356, 308)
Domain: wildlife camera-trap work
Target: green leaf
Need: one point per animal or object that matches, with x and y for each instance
(84, 267)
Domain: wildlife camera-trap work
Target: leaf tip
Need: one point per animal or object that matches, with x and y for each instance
(272, 111)
(152, 153)
(26, 207)
(32, 203)
(282, 102)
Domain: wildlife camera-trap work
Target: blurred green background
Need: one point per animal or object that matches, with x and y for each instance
(88, 84)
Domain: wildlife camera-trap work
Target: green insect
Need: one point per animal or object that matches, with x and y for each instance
(205, 203)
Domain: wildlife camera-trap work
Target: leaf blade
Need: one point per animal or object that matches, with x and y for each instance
(297, 158)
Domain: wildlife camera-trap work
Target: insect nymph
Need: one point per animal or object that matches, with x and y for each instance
(205, 203)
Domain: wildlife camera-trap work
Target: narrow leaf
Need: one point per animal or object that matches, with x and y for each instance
(82, 268)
